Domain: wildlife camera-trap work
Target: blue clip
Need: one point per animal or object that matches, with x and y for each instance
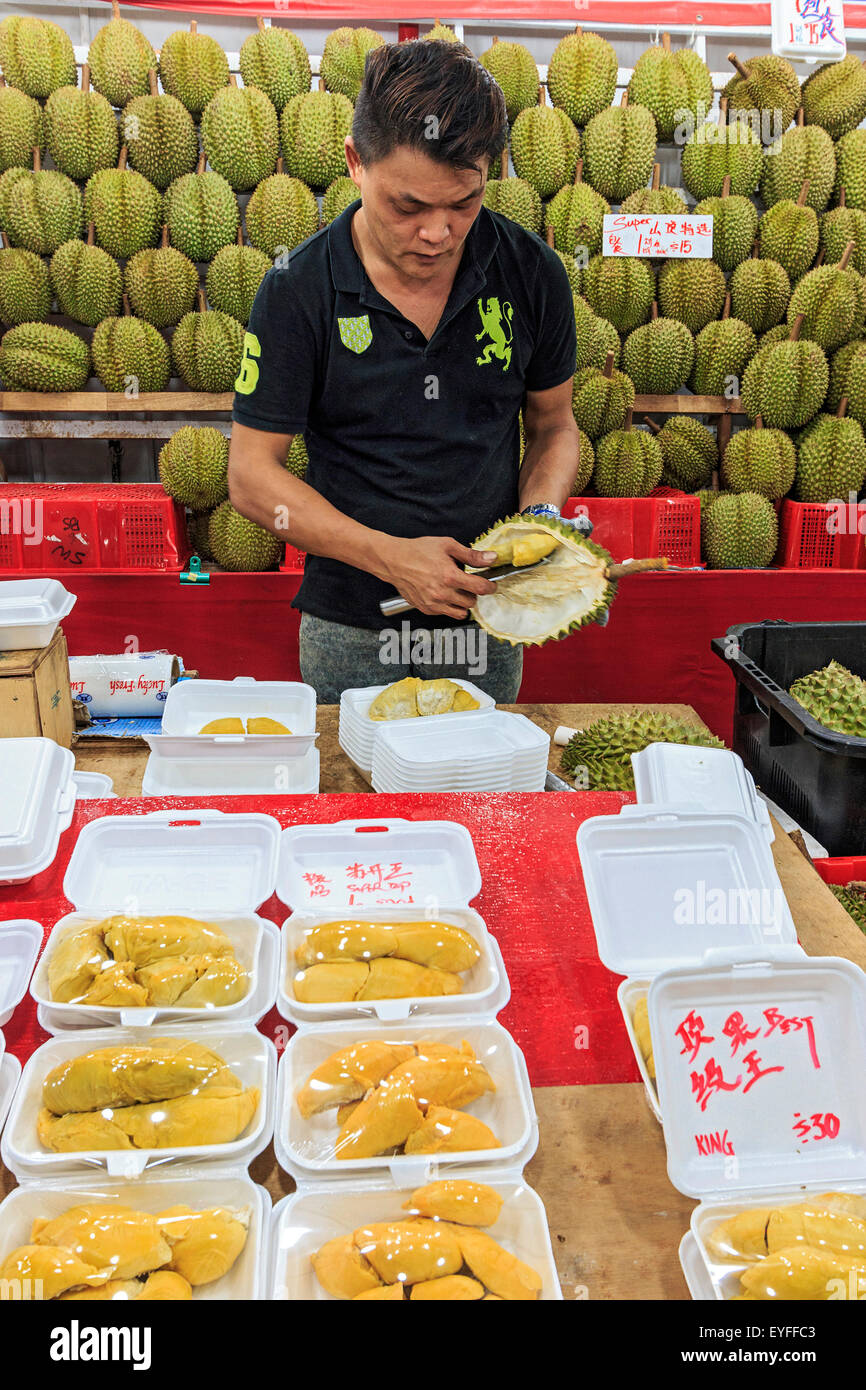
(195, 574)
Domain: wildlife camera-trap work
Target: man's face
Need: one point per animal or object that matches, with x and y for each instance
(418, 211)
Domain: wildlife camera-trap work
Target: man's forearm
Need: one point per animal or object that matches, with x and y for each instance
(550, 466)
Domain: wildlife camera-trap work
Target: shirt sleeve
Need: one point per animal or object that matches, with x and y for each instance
(555, 355)
(275, 386)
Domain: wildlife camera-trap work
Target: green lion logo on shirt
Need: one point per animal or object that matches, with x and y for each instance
(496, 325)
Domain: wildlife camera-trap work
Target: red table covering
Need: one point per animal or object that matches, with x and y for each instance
(563, 1011)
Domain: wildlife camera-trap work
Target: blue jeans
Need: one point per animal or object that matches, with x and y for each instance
(336, 657)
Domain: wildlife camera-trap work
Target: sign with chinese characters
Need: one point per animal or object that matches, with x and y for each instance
(675, 236)
(810, 29)
(362, 885)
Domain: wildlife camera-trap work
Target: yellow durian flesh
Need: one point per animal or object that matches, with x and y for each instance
(223, 726)
(260, 724)
(463, 700)
(398, 701)
(342, 1270)
(800, 1273)
(107, 1236)
(527, 550)
(436, 696)
(455, 1199)
(640, 1023)
(409, 1252)
(204, 1244)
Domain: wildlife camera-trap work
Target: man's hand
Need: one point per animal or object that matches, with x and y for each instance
(426, 572)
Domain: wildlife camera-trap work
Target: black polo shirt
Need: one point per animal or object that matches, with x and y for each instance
(409, 436)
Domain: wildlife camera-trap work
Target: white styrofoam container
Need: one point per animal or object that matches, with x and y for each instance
(36, 805)
(318, 1212)
(705, 779)
(10, 1075)
(234, 1191)
(489, 750)
(20, 943)
(251, 1056)
(205, 864)
(280, 774)
(192, 704)
(357, 730)
(658, 877)
(762, 1143)
(30, 610)
(305, 1148)
(699, 1283)
(93, 786)
(435, 875)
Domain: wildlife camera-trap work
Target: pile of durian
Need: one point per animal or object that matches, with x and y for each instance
(347, 962)
(810, 1250)
(109, 1252)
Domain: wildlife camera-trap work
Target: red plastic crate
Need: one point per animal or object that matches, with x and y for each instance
(293, 560)
(851, 868)
(643, 527)
(110, 527)
(817, 535)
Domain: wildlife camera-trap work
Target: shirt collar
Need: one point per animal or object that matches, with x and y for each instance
(347, 270)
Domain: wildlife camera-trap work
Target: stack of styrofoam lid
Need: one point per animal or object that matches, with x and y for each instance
(489, 751)
(37, 799)
(702, 779)
(93, 786)
(30, 610)
(358, 732)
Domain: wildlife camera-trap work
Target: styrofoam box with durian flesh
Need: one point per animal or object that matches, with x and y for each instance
(192, 705)
(206, 865)
(232, 1191)
(387, 870)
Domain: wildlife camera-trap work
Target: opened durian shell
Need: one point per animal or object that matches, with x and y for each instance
(572, 588)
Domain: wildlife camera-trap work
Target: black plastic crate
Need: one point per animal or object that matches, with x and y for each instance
(817, 776)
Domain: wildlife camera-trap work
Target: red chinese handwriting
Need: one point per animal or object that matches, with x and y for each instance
(691, 1033)
(710, 1080)
(735, 1028)
(753, 1062)
(318, 884)
(393, 880)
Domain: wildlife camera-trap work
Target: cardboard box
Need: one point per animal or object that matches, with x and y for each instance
(35, 695)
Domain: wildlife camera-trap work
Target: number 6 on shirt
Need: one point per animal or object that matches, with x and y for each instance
(249, 374)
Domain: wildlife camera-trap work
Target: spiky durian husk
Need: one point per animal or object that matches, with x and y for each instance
(834, 697)
(604, 749)
(853, 900)
(547, 603)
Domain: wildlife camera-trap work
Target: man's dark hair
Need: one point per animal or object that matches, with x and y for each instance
(433, 96)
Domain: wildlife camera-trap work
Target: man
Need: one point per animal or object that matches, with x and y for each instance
(403, 341)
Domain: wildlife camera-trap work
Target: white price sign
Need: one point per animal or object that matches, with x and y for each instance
(810, 29)
(678, 236)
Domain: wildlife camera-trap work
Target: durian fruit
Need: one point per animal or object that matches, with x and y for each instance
(120, 58)
(239, 544)
(848, 379)
(723, 350)
(805, 152)
(25, 291)
(735, 223)
(658, 355)
(834, 96)
(276, 61)
(840, 226)
(786, 382)
(160, 137)
(197, 526)
(201, 213)
(41, 357)
(21, 129)
(41, 210)
(600, 400)
(193, 68)
(338, 196)
(603, 751)
(832, 300)
(314, 127)
(851, 168)
(740, 532)
(779, 334)
(281, 213)
(853, 895)
(233, 279)
(596, 337)
(656, 198)
(193, 467)
(619, 150)
(569, 264)
(440, 33)
(717, 149)
(125, 209)
(628, 463)
(513, 67)
(831, 458)
(835, 697)
(760, 291)
(240, 135)
(690, 453)
(767, 86)
(207, 348)
(343, 58)
(86, 280)
(514, 198)
(575, 586)
(585, 466)
(788, 233)
(692, 291)
(581, 75)
(576, 213)
(545, 147)
(36, 56)
(297, 459)
(81, 132)
(620, 289)
(759, 460)
(676, 87)
(130, 355)
(162, 284)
